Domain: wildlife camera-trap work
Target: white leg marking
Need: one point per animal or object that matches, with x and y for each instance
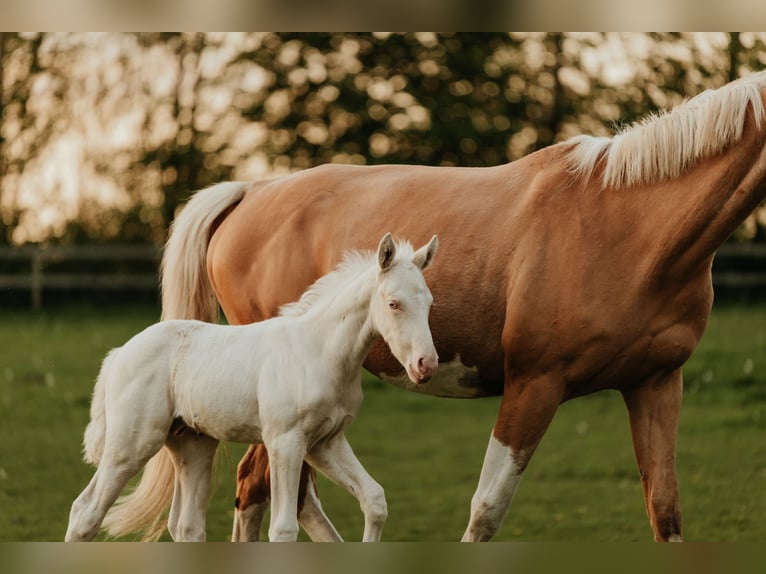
(500, 476)
(247, 523)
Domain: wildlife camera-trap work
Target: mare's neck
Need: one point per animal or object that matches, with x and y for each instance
(706, 205)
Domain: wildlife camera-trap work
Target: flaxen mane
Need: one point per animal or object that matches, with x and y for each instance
(662, 146)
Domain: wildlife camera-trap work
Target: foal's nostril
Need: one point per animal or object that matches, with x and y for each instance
(426, 366)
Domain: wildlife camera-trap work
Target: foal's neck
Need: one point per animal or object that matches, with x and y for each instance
(344, 325)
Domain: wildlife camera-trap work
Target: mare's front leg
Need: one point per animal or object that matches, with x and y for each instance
(526, 410)
(335, 459)
(654, 408)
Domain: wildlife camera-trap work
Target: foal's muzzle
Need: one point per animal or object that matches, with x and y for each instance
(423, 369)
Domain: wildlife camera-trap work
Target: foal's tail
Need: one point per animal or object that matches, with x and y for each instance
(186, 294)
(142, 509)
(93, 442)
(186, 289)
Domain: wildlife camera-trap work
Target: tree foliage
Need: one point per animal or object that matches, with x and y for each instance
(102, 136)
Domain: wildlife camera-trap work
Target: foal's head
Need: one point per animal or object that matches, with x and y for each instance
(401, 305)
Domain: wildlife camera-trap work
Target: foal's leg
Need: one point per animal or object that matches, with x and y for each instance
(654, 409)
(192, 456)
(310, 514)
(131, 440)
(88, 509)
(286, 453)
(253, 493)
(335, 459)
(120, 462)
(526, 410)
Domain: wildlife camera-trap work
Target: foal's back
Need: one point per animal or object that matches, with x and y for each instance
(207, 375)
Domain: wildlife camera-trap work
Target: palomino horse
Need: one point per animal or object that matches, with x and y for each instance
(293, 382)
(581, 267)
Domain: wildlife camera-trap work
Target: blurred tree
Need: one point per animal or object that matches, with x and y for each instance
(136, 122)
(4, 239)
(421, 97)
(198, 117)
(19, 68)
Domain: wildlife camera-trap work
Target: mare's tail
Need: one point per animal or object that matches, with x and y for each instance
(186, 289)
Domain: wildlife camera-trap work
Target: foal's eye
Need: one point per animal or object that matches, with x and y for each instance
(393, 305)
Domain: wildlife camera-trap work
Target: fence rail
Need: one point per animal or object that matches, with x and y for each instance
(39, 269)
(45, 268)
(740, 265)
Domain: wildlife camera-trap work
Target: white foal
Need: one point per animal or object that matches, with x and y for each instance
(170, 394)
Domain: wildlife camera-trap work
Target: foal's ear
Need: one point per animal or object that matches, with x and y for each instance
(386, 252)
(425, 254)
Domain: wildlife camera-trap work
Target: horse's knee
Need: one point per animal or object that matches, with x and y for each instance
(283, 531)
(375, 506)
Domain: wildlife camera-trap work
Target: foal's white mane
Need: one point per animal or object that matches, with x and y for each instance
(663, 145)
(353, 265)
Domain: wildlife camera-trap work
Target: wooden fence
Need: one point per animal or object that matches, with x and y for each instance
(135, 268)
(740, 265)
(87, 267)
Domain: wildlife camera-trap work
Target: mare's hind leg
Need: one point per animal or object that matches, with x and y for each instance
(253, 497)
(192, 456)
(654, 409)
(525, 413)
(335, 459)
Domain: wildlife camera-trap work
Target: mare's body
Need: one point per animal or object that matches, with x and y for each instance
(589, 268)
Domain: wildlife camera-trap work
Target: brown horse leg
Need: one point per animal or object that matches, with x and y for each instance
(654, 408)
(526, 410)
(254, 493)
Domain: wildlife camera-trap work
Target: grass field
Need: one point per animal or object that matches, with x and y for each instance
(582, 484)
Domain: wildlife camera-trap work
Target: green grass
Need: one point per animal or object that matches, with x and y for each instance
(582, 484)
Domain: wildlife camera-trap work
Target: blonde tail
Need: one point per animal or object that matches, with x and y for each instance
(186, 294)
(143, 510)
(186, 289)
